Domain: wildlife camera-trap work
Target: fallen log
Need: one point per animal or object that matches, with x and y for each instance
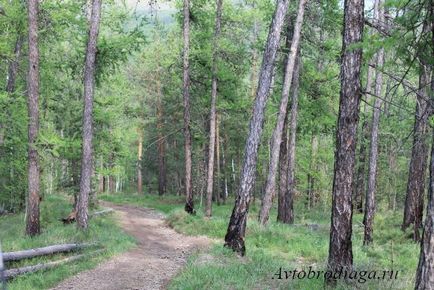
(12, 273)
(2, 270)
(50, 250)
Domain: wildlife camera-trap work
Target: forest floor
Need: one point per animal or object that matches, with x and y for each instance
(299, 246)
(150, 242)
(159, 255)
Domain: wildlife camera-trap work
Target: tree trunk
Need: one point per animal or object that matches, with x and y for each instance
(161, 144)
(161, 166)
(340, 247)
(368, 218)
(287, 183)
(310, 191)
(217, 156)
(139, 162)
(359, 185)
(212, 115)
(283, 172)
(12, 273)
(254, 69)
(178, 183)
(276, 139)
(43, 251)
(13, 65)
(111, 183)
(425, 269)
(89, 83)
(189, 205)
(413, 209)
(32, 214)
(225, 171)
(234, 238)
(101, 176)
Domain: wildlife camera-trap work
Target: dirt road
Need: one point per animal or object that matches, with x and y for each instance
(159, 255)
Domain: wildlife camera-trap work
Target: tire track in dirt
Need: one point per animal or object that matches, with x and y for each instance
(160, 254)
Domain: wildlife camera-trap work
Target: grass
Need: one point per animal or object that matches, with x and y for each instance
(103, 230)
(290, 247)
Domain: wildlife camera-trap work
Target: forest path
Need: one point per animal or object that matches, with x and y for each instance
(159, 255)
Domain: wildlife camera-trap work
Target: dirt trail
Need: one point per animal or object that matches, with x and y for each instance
(159, 255)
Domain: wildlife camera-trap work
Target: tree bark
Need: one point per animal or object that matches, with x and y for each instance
(225, 170)
(101, 175)
(368, 218)
(276, 139)
(89, 84)
(212, 115)
(413, 208)
(14, 64)
(161, 143)
(139, 162)
(32, 214)
(285, 207)
(49, 250)
(189, 205)
(254, 69)
(283, 170)
(217, 156)
(359, 184)
(310, 196)
(234, 238)
(12, 273)
(340, 247)
(425, 269)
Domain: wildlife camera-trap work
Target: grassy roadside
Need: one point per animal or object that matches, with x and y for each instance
(290, 247)
(103, 230)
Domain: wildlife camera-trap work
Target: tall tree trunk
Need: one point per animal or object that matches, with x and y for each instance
(225, 170)
(359, 184)
(89, 83)
(101, 175)
(111, 177)
(161, 143)
(212, 115)
(413, 209)
(283, 170)
(178, 183)
(368, 218)
(32, 214)
(217, 156)
(189, 205)
(139, 161)
(234, 238)
(392, 162)
(276, 139)
(310, 198)
(340, 247)
(425, 269)
(75, 168)
(93, 198)
(13, 65)
(285, 207)
(254, 69)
